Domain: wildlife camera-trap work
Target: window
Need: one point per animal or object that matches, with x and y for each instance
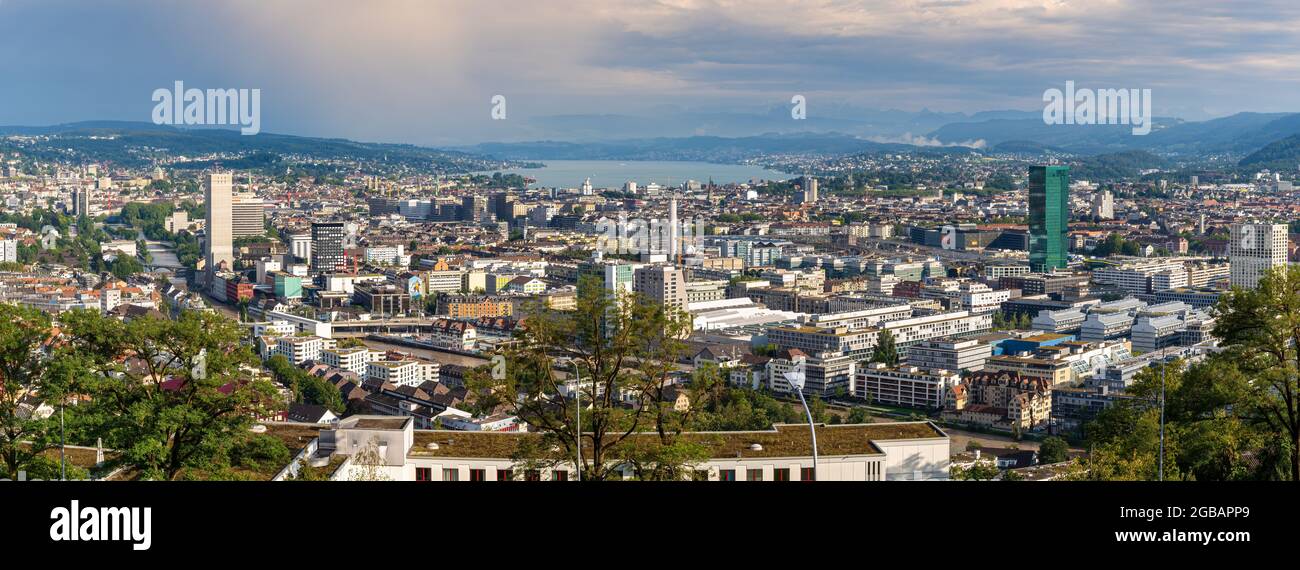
(423, 474)
(753, 474)
(451, 475)
(727, 475)
(781, 474)
(478, 474)
(807, 474)
(505, 475)
(700, 475)
(559, 475)
(532, 475)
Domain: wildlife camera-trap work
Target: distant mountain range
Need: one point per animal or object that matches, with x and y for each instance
(711, 149)
(999, 131)
(1265, 140)
(1239, 134)
(671, 122)
(135, 143)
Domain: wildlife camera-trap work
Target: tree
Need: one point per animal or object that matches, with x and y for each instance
(124, 266)
(625, 349)
(1053, 450)
(982, 470)
(306, 388)
(1261, 329)
(368, 464)
(886, 351)
(169, 393)
(1124, 439)
(24, 373)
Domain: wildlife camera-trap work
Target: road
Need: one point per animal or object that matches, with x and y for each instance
(958, 439)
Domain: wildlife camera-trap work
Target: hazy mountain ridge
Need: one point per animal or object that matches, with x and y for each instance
(1240, 133)
(133, 143)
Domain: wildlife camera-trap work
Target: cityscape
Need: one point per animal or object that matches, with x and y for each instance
(767, 280)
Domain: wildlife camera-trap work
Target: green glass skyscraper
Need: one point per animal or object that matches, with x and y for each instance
(1049, 216)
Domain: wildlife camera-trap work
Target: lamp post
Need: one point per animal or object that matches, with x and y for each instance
(1162, 420)
(63, 444)
(577, 409)
(796, 378)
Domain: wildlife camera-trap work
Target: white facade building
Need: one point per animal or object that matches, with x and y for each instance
(894, 451)
(1254, 249)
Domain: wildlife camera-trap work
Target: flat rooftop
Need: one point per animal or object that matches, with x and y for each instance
(371, 422)
(783, 440)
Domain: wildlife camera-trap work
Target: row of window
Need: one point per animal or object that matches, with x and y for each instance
(778, 474)
(453, 474)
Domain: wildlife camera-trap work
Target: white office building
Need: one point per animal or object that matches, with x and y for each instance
(887, 451)
(909, 386)
(946, 354)
(1253, 250)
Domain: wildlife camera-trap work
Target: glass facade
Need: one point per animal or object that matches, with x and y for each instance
(1049, 216)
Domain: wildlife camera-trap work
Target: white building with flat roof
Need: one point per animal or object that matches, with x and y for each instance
(1253, 250)
(886, 451)
(299, 349)
(908, 386)
(948, 354)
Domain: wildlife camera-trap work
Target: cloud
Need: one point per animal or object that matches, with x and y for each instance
(425, 72)
(922, 140)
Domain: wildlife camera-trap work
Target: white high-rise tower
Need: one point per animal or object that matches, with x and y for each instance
(1103, 205)
(218, 196)
(1255, 249)
(674, 232)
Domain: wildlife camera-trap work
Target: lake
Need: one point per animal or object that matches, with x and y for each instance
(613, 173)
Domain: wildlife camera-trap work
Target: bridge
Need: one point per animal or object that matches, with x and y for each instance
(401, 325)
(163, 257)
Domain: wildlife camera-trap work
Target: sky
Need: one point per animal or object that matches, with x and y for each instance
(425, 71)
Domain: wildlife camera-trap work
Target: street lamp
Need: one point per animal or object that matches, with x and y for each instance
(577, 400)
(63, 445)
(1162, 419)
(796, 378)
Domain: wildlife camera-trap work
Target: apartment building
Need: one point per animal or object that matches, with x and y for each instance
(248, 216)
(352, 359)
(1000, 399)
(857, 343)
(448, 281)
(1135, 278)
(299, 349)
(399, 372)
(663, 283)
(475, 306)
(860, 319)
(946, 354)
(456, 335)
(909, 386)
(704, 291)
